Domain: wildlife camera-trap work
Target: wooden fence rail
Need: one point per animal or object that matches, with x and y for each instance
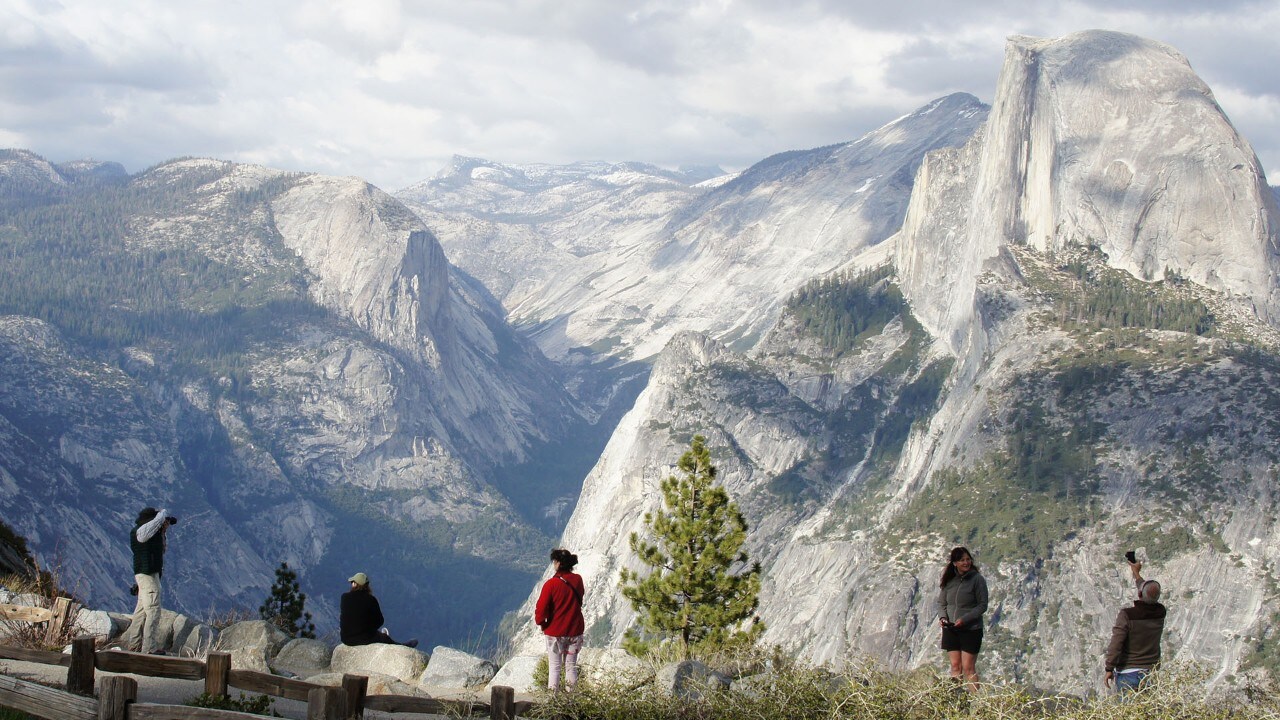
(117, 696)
(43, 702)
(56, 617)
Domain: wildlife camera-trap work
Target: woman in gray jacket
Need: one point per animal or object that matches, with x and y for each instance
(961, 602)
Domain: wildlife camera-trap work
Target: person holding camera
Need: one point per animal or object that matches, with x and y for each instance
(962, 600)
(148, 540)
(559, 614)
(1134, 650)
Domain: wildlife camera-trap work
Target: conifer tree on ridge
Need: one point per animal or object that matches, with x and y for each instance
(700, 589)
(285, 607)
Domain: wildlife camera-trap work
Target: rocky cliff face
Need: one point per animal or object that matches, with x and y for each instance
(1044, 393)
(612, 262)
(85, 447)
(1103, 139)
(289, 363)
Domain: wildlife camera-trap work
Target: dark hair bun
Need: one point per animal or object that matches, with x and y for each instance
(565, 558)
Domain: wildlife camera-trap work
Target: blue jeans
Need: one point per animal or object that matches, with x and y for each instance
(1130, 681)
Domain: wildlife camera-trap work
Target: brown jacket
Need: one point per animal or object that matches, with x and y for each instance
(1135, 639)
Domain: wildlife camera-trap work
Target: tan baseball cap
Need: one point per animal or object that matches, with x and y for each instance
(359, 579)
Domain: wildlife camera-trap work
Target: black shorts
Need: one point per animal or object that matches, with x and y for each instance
(969, 641)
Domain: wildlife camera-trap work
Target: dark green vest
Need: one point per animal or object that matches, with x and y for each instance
(148, 557)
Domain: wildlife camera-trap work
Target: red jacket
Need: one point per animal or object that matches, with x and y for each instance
(559, 609)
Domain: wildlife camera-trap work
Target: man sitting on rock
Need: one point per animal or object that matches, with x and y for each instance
(361, 619)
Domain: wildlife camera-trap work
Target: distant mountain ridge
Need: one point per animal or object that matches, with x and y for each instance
(603, 268)
(617, 273)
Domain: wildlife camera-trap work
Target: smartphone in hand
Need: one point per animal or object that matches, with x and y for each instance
(1131, 557)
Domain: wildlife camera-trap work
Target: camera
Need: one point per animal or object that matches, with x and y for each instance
(1131, 557)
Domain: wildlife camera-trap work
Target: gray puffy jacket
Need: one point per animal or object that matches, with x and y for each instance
(964, 598)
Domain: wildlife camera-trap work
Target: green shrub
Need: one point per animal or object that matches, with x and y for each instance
(541, 672)
(257, 705)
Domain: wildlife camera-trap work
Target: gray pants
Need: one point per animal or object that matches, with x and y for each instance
(143, 631)
(562, 652)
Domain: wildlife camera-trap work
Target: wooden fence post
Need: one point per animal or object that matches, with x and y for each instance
(357, 686)
(502, 703)
(117, 692)
(217, 673)
(61, 609)
(326, 703)
(80, 671)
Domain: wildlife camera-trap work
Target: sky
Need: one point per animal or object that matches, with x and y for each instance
(390, 90)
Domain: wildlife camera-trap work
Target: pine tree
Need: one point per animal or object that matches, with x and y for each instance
(700, 590)
(284, 607)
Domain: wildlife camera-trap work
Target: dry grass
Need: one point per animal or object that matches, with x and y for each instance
(865, 692)
(222, 619)
(46, 585)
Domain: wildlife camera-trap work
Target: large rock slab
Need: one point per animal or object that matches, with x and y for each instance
(450, 668)
(516, 673)
(122, 621)
(304, 655)
(252, 657)
(398, 661)
(94, 622)
(197, 642)
(253, 644)
(191, 638)
(252, 633)
(27, 599)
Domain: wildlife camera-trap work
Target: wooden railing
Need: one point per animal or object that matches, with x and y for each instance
(57, 617)
(117, 695)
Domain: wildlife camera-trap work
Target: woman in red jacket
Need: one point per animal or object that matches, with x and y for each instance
(559, 614)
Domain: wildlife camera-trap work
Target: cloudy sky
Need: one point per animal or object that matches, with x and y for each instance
(389, 89)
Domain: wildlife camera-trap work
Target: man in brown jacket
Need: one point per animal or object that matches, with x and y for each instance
(1134, 650)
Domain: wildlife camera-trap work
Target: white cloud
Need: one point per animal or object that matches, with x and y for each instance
(389, 90)
(364, 28)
